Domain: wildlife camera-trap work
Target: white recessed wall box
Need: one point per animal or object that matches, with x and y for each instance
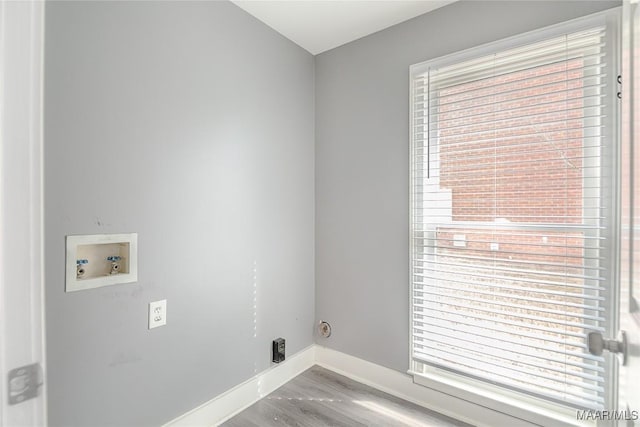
(101, 260)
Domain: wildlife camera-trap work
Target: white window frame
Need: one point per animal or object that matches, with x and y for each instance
(513, 403)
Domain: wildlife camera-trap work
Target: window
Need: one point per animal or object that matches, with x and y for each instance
(513, 213)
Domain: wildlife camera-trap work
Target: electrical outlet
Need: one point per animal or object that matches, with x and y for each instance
(277, 349)
(157, 313)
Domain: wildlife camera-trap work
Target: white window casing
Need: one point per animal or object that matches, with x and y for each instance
(514, 219)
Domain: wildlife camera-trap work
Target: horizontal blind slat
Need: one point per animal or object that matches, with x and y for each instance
(477, 324)
(455, 305)
(439, 79)
(520, 280)
(473, 303)
(433, 103)
(533, 291)
(541, 380)
(531, 148)
(513, 270)
(420, 292)
(511, 141)
(591, 128)
(534, 357)
(499, 320)
(420, 85)
(476, 369)
(530, 263)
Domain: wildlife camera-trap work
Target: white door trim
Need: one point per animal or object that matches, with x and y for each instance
(21, 205)
(629, 387)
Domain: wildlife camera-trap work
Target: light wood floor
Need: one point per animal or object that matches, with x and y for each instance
(319, 397)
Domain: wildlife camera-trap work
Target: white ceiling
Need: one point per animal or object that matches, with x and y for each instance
(320, 25)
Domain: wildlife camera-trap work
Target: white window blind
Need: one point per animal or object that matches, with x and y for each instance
(512, 200)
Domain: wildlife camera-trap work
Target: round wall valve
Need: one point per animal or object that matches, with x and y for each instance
(324, 329)
(80, 270)
(115, 265)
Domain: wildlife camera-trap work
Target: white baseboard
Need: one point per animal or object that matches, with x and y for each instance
(224, 406)
(240, 397)
(402, 386)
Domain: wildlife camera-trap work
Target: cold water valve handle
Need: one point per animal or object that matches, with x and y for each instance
(115, 265)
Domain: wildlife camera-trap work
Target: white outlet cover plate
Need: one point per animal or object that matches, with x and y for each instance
(157, 313)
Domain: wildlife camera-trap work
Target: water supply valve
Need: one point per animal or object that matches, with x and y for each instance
(115, 264)
(80, 269)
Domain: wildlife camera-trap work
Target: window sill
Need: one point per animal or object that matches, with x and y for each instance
(512, 403)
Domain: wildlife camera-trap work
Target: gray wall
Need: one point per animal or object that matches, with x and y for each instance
(362, 157)
(192, 124)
